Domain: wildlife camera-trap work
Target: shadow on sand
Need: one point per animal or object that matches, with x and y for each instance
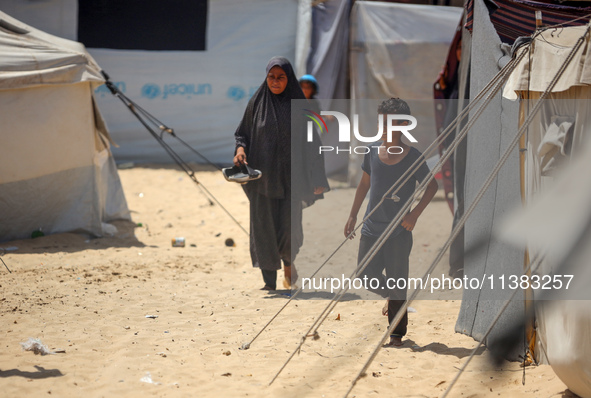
(71, 242)
(286, 293)
(438, 348)
(41, 373)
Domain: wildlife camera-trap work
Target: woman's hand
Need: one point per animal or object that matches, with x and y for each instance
(240, 157)
(319, 190)
(350, 227)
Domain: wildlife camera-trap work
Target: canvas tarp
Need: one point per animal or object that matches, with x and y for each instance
(551, 49)
(201, 94)
(486, 142)
(329, 43)
(563, 326)
(559, 220)
(395, 51)
(56, 171)
(557, 164)
(327, 61)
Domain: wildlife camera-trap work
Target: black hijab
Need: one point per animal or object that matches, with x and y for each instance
(266, 131)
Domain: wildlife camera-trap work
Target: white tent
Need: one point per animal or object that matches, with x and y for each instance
(202, 94)
(396, 50)
(557, 227)
(383, 50)
(56, 169)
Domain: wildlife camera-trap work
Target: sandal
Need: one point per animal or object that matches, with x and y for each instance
(395, 341)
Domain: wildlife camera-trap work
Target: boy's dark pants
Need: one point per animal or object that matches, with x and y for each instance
(393, 257)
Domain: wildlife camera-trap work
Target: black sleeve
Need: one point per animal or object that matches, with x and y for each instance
(366, 165)
(244, 130)
(423, 169)
(318, 170)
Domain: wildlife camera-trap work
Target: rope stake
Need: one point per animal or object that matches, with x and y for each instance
(394, 223)
(396, 186)
(477, 199)
(140, 114)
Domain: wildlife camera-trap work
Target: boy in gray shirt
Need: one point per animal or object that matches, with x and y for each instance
(382, 167)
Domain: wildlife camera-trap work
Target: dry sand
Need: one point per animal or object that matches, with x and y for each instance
(90, 297)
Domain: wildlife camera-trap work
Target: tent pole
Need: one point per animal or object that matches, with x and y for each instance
(530, 332)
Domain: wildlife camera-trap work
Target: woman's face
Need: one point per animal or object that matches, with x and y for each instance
(277, 80)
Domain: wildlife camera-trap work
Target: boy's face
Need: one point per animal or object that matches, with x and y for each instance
(396, 134)
(308, 89)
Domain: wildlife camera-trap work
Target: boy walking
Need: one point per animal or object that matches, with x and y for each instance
(382, 167)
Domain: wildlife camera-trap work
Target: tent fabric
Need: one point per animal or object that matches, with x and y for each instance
(37, 58)
(174, 25)
(327, 61)
(456, 251)
(515, 18)
(565, 194)
(56, 170)
(486, 141)
(303, 35)
(565, 333)
(56, 17)
(395, 51)
(554, 143)
(446, 88)
(201, 94)
(563, 115)
(536, 73)
(558, 221)
(404, 46)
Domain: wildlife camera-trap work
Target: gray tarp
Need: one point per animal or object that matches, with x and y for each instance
(486, 142)
(328, 62)
(329, 44)
(397, 50)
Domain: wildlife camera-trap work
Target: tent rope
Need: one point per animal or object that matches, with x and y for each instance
(165, 129)
(533, 266)
(396, 221)
(5, 265)
(138, 111)
(451, 149)
(477, 199)
(396, 187)
(528, 121)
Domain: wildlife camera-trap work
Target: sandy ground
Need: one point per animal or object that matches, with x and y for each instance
(90, 297)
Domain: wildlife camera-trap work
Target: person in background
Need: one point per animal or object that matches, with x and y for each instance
(309, 86)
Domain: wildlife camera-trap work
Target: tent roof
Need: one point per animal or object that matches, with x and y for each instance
(31, 57)
(550, 49)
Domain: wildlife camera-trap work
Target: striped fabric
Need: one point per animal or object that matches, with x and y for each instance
(514, 18)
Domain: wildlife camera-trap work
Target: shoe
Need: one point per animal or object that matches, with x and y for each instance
(395, 341)
(241, 174)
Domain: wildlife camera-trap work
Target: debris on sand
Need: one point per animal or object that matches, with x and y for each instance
(36, 346)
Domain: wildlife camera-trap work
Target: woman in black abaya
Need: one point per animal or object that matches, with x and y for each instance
(264, 141)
